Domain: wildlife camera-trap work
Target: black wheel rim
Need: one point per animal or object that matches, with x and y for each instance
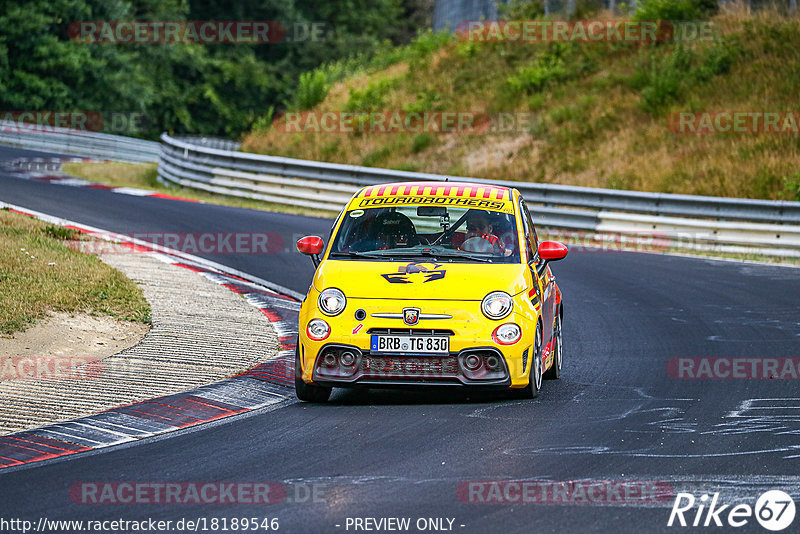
(538, 360)
(559, 352)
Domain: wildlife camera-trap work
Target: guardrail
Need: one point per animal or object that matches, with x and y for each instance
(697, 222)
(213, 165)
(78, 142)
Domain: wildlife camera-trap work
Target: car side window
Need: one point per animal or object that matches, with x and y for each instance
(532, 240)
(335, 222)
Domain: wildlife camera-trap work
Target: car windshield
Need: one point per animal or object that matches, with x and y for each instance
(447, 234)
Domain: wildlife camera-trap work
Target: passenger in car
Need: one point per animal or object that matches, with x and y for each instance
(480, 235)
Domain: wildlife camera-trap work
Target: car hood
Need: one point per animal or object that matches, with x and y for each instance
(419, 280)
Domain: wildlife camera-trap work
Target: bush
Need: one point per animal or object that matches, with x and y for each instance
(533, 9)
(375, 157)
(426, 101)
(372, 98)
(792, 186)
(312, 89)
(662, 84)
(675, 9)
(548, 68)
(718, 60)
(664, 79)
(425, 44)
(521, 9)
(61, 232)
(421, 142)
(264, 123)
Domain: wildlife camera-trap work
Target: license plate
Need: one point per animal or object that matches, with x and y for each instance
(410, 344)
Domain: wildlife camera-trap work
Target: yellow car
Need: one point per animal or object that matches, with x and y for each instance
(430, 284)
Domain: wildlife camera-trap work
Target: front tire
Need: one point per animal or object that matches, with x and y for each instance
(531, 391)
(558, 352)
(307, 392)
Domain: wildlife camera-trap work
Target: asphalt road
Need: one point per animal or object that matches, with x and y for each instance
(616, 414)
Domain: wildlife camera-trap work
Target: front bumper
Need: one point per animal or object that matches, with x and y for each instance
(469, 331)
(480, 366)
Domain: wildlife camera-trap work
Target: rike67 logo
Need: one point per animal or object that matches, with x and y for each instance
(774, 510)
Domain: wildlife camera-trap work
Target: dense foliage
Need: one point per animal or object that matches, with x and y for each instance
(197, 88)
(595, 114)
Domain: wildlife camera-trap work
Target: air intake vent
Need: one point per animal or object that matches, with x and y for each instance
(411, 331)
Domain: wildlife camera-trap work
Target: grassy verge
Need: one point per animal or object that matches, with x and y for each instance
(145, 176)
(602, 111)
(139, 175)
(39, 272)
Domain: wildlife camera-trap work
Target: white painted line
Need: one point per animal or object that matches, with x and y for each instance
(133, 191)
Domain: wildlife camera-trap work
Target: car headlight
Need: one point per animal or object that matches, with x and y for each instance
(332, 301)
(497, 304)
(318, 329)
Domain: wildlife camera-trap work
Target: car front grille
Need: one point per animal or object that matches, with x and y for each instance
(411, 331)
(409, 367)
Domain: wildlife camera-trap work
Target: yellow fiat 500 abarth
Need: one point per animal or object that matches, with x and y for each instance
(430, 284)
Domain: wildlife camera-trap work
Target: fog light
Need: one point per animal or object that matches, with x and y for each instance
(472, 362)
(347, 358)
(493, 363)
(507, 334)
(318, 329)
(330, 360)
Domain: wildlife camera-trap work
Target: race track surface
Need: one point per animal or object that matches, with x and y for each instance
(616, 414)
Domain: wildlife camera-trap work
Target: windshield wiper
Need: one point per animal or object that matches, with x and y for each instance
(428, 253)
(353, 254)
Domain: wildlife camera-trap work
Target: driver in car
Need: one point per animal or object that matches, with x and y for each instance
(480, 236)
(389, 230)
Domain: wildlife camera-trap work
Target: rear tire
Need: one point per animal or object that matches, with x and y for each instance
(531, 391)
(558, 352)
(307, 392)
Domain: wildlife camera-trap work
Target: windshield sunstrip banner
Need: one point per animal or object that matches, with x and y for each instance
(423, 189)
(461, 202)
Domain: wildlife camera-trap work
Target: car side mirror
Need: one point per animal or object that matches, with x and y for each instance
(552, 250)
(311, 245)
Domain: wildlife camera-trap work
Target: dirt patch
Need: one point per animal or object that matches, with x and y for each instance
(74, 335)
(495, 152)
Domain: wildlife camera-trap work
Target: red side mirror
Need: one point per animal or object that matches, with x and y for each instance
(310, 244)
(552, 250)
